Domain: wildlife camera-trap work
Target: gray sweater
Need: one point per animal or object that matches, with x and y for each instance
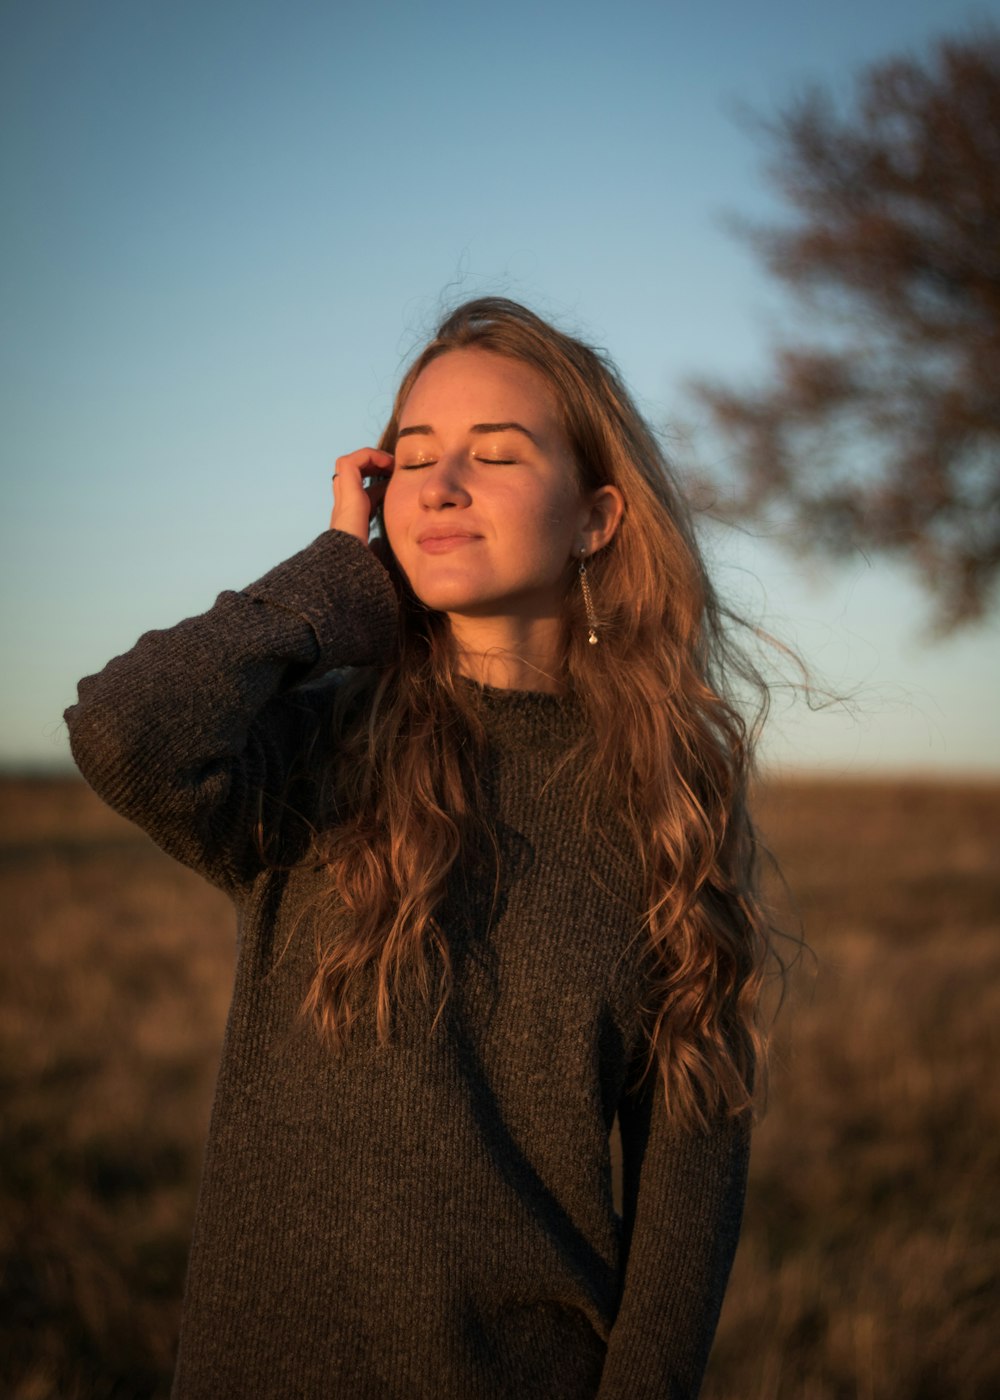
(432, 1218)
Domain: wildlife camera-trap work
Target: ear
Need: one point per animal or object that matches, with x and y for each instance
(602, 520)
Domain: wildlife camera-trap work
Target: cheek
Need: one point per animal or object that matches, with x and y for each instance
(546, 535)
(560, 511)
(395, 510)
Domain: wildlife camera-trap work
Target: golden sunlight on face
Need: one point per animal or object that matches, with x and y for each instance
(484, 510)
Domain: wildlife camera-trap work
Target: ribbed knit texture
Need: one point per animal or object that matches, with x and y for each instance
(431, 1218)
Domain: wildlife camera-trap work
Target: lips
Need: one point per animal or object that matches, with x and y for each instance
(441, 541)
(445, 532)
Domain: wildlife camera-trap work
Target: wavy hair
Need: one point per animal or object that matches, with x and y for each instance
(659, 700)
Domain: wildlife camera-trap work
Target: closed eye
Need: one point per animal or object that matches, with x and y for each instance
(431, 461)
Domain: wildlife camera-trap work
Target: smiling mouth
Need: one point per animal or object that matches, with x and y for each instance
(442, 544)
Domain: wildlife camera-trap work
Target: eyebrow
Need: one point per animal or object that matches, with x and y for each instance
(425, 430)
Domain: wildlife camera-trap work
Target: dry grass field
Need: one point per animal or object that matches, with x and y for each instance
(868, 1268)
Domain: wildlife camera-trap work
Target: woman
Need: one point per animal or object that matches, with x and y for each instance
(477, 793)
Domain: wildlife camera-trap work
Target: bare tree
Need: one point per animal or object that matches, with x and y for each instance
(882, 431)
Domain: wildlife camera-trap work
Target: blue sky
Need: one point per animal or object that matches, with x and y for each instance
(227, 225)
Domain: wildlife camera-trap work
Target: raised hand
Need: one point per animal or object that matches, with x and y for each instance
(353, 503)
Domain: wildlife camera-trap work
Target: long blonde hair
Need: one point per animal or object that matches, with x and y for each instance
(657, 697)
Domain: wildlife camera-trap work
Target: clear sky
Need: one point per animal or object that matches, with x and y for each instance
(228, 223)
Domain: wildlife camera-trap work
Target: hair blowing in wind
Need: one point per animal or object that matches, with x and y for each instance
(666, 748)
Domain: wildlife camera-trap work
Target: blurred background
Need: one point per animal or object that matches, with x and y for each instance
(226, 228)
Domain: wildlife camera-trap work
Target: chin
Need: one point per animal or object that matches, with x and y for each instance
(445, 600)
(443, 594)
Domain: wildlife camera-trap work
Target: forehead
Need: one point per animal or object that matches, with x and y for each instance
(479, 386)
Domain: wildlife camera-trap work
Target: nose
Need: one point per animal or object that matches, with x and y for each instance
(443, 484)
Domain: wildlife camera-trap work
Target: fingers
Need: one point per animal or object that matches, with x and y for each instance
(353, 501)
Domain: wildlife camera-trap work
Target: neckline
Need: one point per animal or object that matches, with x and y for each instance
(525, 718)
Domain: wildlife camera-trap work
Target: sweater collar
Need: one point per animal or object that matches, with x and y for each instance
(526, 719)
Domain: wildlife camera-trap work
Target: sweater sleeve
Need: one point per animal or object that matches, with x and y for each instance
(187, 731)
(683, 1195)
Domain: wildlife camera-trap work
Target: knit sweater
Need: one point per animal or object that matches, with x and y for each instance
(431, 1217)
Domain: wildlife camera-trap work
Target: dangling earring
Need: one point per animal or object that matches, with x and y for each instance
(588, 601)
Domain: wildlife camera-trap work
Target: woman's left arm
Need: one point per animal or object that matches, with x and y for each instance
(683, 1206)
